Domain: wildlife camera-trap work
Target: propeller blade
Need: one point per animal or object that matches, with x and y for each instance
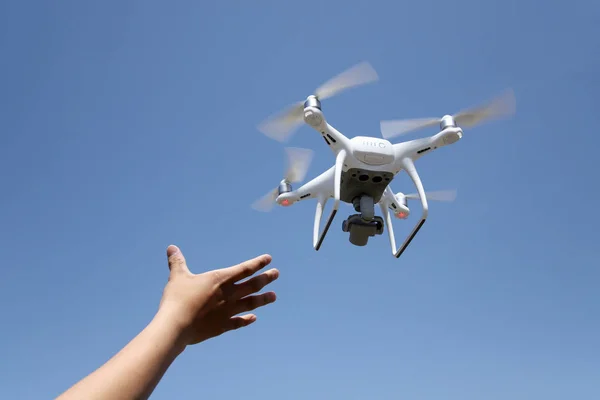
(299, 161)
(503, 105)
(393, 128)
(440, 195)
(357, 75)
(266, 202)
(281, 126)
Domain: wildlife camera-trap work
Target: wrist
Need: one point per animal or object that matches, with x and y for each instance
(168, 326)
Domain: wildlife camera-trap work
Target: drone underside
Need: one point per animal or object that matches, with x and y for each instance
(365, 166)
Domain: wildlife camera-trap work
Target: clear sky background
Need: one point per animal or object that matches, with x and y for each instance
(129, 125)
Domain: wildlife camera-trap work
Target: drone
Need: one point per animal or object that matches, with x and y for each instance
(365, 166)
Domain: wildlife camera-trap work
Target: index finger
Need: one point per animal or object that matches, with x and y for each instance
(245, 269)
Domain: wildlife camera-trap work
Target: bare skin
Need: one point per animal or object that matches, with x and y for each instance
(193, 308)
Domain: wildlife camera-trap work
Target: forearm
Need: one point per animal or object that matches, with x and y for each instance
(134, 372)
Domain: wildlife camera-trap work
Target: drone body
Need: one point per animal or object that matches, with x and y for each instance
(364, 166)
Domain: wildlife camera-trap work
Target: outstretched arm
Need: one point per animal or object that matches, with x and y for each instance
(134, 372)
(194, 308)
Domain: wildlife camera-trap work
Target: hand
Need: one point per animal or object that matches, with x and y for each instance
(206, 305)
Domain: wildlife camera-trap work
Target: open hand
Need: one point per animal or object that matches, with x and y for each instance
(206, 305)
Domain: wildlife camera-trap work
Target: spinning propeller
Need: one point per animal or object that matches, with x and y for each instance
(440, 195)
(298, 162)
(501, 106)
(281, 126)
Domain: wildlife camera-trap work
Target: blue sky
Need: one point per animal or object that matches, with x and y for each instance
(130, 125)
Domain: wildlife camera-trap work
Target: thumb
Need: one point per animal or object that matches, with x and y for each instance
(176, 260)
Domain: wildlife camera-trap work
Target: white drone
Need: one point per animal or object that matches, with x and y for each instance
(365, 166)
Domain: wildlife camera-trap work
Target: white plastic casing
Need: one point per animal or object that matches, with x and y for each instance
(372, 151)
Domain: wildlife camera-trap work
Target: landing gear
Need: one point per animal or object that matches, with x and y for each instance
(364, 225)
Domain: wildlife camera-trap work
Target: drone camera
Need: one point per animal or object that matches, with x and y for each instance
(361, 230)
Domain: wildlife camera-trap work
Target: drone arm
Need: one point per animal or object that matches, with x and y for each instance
(322, 184)
(336, 141)
(322, 200)
(413, 149)
(417, 148)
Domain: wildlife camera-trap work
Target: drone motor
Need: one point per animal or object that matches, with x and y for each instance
(312, 101)
(284, 187)
(447, 121)
(312, 111)
(401, 199)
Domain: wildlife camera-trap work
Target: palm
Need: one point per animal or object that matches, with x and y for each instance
(208, 304)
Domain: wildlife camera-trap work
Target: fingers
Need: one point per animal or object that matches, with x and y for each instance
(177, 263)
(253, 302)
(254, 284)
(245, 269)
(240, 322)
(248, 304)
